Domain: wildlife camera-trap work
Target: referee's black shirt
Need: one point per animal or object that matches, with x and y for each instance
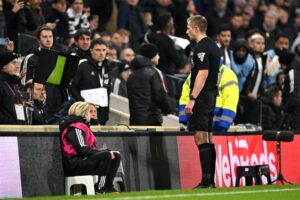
(206, 57)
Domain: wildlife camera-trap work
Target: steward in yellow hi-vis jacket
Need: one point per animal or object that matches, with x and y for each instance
(226, 102)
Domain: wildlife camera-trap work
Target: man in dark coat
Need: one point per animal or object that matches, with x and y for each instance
(272, 114)
(94, 73)
(291, 87)
(146, 93)
(10, 103)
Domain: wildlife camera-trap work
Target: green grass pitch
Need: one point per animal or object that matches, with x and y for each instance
(269, 192)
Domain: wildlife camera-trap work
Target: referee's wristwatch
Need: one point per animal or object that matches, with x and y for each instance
(192, 97)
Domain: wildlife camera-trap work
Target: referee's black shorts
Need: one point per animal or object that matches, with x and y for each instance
(203, 111)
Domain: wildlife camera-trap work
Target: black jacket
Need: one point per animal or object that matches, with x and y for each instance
(170, 59)
(9, 96)
(87, 77)
(146, 94)
(39, 116)
(73, 136)
(253, 75)
(272, 116)
(56, 95)
(292, 88)
(62, 25)
(18, 22)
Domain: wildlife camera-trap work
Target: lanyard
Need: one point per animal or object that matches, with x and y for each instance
(11, 89)
(101, 78)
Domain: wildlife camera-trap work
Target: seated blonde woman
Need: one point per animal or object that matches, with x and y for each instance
(80, 155)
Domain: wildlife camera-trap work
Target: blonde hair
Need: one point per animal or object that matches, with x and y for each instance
(198, 21)
(257, 36)
(79, 109)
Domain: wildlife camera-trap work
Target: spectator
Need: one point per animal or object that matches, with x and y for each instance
(11, 109)
(253, 87)
(146, 94)
(35, 7)
(2, 22)
(106, 37)
(112, 52)
(77, 19)
(107, 12)
(93, 22)
(242, 62)
(280, 79)
(80, 154)
(56, 95)
(285, 24)
(272, 114)
(38, 107)
(273, 68)
(57, 14)
(116, 40)
(18, 18)
(82, 44)
(269, 28)
(237, 28)
(170, 60)
(124, 37)
(292, 88)
(127, 54)
(130, 17)
(119, 83)
(92, 73)
(296, 46)
(217, 16)
(223, 40)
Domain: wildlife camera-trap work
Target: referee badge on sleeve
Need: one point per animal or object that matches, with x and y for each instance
(201, 56)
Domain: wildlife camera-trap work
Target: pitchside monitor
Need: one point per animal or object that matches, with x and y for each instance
(55, 68)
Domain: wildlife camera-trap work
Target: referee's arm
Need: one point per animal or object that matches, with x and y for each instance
(198, 85)
(199, 82)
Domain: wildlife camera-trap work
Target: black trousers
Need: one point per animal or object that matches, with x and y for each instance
(99, 163)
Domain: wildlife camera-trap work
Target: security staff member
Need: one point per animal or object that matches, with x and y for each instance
(94, 73)
(204, 75)
(226, 103)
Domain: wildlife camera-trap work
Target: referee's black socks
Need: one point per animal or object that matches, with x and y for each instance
(213, 164)
(205, 161)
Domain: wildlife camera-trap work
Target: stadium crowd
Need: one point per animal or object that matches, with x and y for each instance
(259, 41)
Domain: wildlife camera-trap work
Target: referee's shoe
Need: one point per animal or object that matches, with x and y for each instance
(200, 186)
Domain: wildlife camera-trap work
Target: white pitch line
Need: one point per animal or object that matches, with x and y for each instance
(193, 194)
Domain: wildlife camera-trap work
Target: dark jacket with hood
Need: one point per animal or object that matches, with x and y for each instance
(9, 96)
(272, 116)
(146, 94)
(87, 77)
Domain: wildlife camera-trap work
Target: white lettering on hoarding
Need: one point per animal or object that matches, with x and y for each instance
(228, 161)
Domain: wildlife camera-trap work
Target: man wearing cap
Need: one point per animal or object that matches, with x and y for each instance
(146, 94)
(119, 83)
(11, 109)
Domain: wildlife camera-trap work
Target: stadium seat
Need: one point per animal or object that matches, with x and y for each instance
(249, 172)
(87, 181)
(263, 170)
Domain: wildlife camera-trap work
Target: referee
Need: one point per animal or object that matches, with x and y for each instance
(204, 76)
